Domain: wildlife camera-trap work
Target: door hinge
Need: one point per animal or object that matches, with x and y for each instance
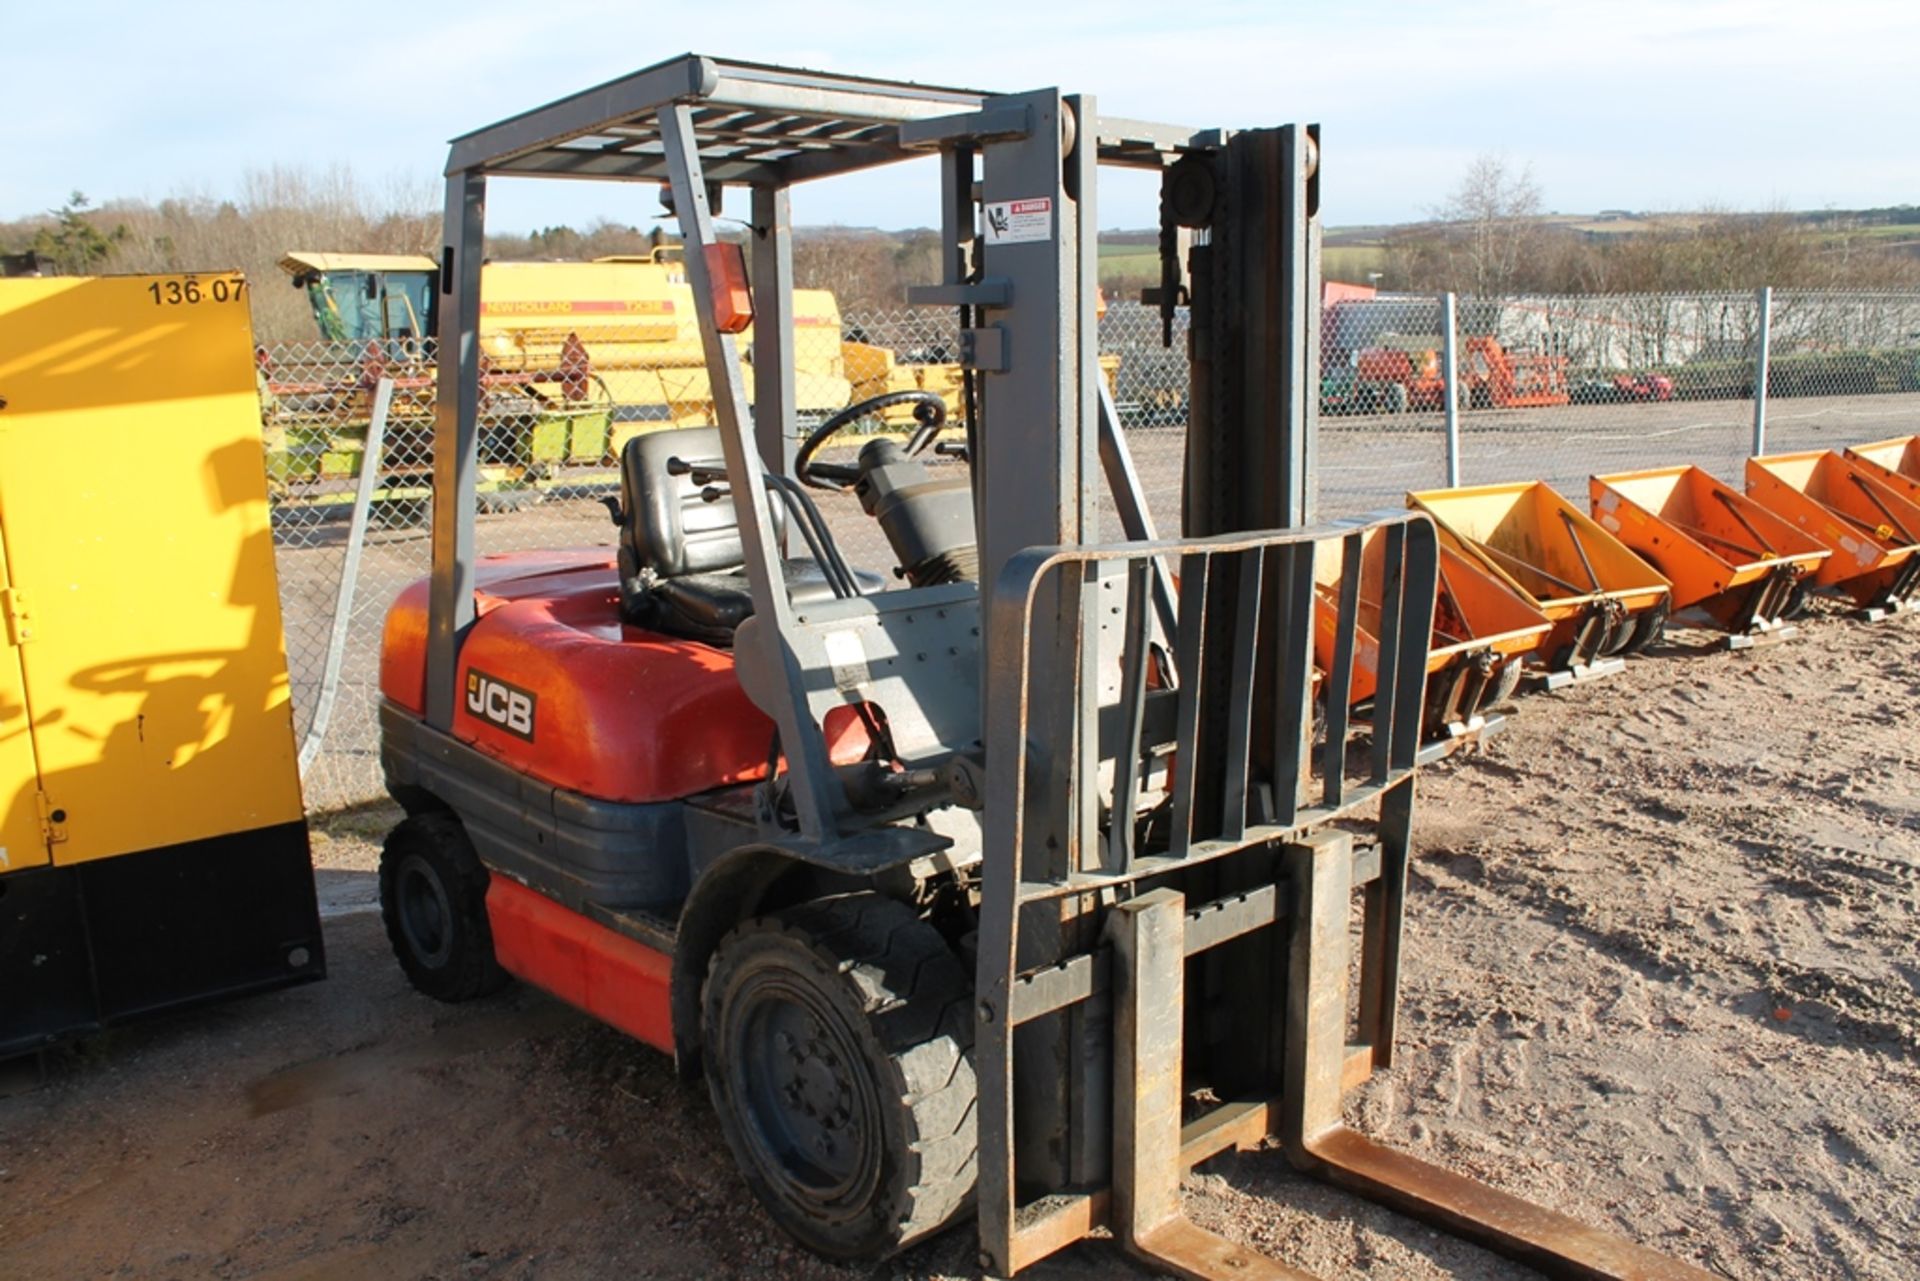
(53, 820)
(13, 607)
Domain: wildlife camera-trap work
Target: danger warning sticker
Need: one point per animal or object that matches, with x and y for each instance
(1013, 222)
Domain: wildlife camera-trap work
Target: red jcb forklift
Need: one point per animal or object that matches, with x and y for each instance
(961, 890)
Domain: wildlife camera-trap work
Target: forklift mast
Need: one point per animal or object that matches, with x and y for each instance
(1116, 735)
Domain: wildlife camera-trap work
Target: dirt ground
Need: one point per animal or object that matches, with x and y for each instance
(1660, 974)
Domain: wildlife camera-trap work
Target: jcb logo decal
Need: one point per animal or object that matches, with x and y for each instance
(499, 704)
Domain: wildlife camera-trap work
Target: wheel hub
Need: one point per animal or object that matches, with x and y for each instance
(425, 913)
(817, 1089)
(806, 1104)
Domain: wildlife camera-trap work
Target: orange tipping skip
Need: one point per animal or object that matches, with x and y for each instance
(1556, 558)
(1475, 615)
(1872, 531)
(1894, 463)
(1723, 552)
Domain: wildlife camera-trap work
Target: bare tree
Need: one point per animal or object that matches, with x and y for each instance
(1495, 214)
(866, 269)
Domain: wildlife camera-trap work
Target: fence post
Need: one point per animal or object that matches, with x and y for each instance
(1765, 299)
(370, 464)
(1449, 382)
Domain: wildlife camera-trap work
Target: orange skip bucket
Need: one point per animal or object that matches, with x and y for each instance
(1724, 553)
(1593, 589)
(1894, 463)
(1889, 460)
(1482, 633)
(1872, 530)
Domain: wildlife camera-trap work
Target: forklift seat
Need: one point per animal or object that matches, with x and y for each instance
(681, 559)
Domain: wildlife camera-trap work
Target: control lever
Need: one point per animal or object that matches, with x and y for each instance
(954, 449)
(700, 473)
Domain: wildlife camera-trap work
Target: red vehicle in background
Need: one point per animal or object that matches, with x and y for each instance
(1621, 388)
(1394, 379)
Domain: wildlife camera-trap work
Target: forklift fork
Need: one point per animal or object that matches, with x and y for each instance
(1248, 850)
(1150, 945)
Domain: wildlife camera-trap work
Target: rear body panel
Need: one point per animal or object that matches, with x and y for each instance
(556, 687)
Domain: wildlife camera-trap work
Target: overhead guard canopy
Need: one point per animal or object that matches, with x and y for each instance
(753, 124)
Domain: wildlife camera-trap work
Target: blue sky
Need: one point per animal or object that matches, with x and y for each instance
(1631, 104)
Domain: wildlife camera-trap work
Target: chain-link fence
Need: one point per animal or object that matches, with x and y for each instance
(1542, 388)
(1614, 383)
(1382, 402)
(1628, 382)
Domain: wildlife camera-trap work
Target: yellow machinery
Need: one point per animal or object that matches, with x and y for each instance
(153, 849)
(578, 357)
(633, 320)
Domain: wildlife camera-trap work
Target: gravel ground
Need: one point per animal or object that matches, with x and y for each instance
(1660, 975)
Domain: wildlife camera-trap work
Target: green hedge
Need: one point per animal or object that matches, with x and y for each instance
(1851, 373)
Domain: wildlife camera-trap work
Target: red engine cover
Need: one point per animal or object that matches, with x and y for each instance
(554, 684)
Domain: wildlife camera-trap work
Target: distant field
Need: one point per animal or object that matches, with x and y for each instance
(1128, 262)
(1895, 232)
(1352, 262)
(1338, 262)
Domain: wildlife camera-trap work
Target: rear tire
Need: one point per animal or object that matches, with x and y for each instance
(433, 898)
(838, 1040)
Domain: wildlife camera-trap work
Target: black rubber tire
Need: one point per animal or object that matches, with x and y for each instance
(1619, 635)
(433, 898)
(1507, 682)
(1648, 628)
(1796, 604)
(885, 1010)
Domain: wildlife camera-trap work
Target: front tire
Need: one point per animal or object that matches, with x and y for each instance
(433, 898)
(838, 1040)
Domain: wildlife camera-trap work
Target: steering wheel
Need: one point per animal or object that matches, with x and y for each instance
(929, 411)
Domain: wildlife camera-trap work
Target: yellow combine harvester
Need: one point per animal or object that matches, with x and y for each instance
(578, 356)
(627, 320)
